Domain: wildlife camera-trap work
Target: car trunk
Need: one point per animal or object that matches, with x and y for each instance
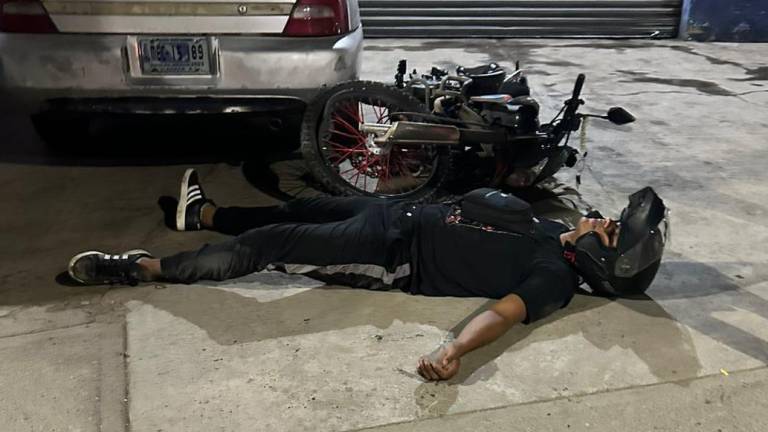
(169, 16)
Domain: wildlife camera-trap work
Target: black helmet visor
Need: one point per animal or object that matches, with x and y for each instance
(644, 231)
(645, 252)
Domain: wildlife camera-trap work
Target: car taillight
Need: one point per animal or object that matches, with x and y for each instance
(25, 16)
(317, 18)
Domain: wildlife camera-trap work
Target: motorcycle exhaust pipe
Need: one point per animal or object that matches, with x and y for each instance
(405, 133)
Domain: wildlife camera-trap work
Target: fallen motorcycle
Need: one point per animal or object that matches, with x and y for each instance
(408, 140)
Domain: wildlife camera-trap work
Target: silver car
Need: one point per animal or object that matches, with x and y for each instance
(174, 56)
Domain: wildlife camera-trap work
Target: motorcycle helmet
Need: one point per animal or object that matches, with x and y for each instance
(629, 268)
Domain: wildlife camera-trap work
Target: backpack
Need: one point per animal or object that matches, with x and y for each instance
(496, 211)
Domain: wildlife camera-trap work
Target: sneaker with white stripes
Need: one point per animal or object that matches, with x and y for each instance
(99, 268)
(191, 202)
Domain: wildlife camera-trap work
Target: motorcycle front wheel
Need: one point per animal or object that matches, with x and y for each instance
(345, 160)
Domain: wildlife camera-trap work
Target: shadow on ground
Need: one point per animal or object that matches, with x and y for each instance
(151, 140)
(69, 192)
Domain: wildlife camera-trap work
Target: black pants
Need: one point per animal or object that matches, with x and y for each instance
(361, 242)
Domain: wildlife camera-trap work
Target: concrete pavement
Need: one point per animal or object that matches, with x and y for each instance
(281, 353)
(714, 403)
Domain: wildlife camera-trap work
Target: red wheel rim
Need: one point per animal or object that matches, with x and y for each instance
(399, 171)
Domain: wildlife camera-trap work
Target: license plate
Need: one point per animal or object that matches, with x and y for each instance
(175, 56)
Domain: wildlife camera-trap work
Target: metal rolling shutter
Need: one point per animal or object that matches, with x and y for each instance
(520, 18)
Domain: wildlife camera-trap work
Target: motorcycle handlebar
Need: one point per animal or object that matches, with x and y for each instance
(574, 102)
(577, 87)
(569, 120)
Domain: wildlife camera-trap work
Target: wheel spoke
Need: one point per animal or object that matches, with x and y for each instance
(334, 131)
(356, 176)
(343, 153)
(349, 127)
(353, 113)
(341, 147)
(345, 150)
(358, 147)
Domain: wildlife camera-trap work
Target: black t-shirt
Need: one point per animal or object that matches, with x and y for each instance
(454, 259)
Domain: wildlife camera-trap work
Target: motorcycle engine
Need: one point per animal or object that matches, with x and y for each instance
(520, 115)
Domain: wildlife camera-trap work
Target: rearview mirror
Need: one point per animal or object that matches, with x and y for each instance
(620, 116)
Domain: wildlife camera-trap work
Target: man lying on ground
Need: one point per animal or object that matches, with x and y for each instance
(533, 266)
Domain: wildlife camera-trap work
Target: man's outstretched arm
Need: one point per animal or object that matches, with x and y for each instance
(482, 330)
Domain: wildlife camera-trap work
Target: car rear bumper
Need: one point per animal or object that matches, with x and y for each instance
(37, 70)
(175, 105)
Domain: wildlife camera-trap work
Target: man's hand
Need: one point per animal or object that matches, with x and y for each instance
(481, 330)
(443, 365)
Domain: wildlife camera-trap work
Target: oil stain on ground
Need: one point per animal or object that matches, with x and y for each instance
(756, 74)
(706, 87)
(759, 73)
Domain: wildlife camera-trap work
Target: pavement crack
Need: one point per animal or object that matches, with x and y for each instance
(45, 330)
(750, 92)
